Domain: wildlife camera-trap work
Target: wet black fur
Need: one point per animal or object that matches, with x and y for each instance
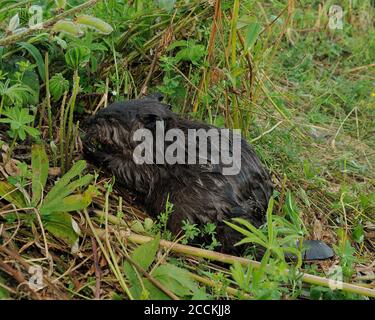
(199, 193)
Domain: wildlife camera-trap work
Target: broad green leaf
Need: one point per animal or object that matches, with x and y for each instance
(75, 171)
(144, 255)
(74, 185)
(60, 225)
(32, 131)
(68, 190)
(11, 194)
(68, 27)
(58, 85)
(175, 279)
(94, 23)
(77, 57)
(39, 164)
(252, 33)
(192, 54)
(245, 21)
(155, 293)
(200, 295)
(70, 203)
(131, 275)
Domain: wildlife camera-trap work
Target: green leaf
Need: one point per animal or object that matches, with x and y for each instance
(248, 225)
(258, 274)
(32, 131)
(68, 27)
(60, 224)
(68, 190)
(37, 56)
(94, 23)
(358, 234)
(238, 274)
(144, 255)
(39, 164)
(76, 170)
(155, 293)
(179, 43)
(12, 194)
(14, 23)
(21, 134)
(77, 57)
(200, 295)
(18, 118)
(70, 203)
(252, 33)
(193, 53)
(176, 279)
(251, 239)
(58, 85)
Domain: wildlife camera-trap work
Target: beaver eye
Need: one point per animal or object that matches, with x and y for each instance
(94, 145)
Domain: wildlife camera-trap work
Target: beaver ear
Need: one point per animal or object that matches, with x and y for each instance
(157, 96)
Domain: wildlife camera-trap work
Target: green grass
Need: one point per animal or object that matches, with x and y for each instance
(303, 93)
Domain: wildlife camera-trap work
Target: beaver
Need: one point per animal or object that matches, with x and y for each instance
(200, 191)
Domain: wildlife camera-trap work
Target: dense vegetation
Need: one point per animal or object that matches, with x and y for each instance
(299, 86)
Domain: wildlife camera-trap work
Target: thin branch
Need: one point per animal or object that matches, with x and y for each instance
(225, 258)
(14, 254)
(47, 25)
(18, 276)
